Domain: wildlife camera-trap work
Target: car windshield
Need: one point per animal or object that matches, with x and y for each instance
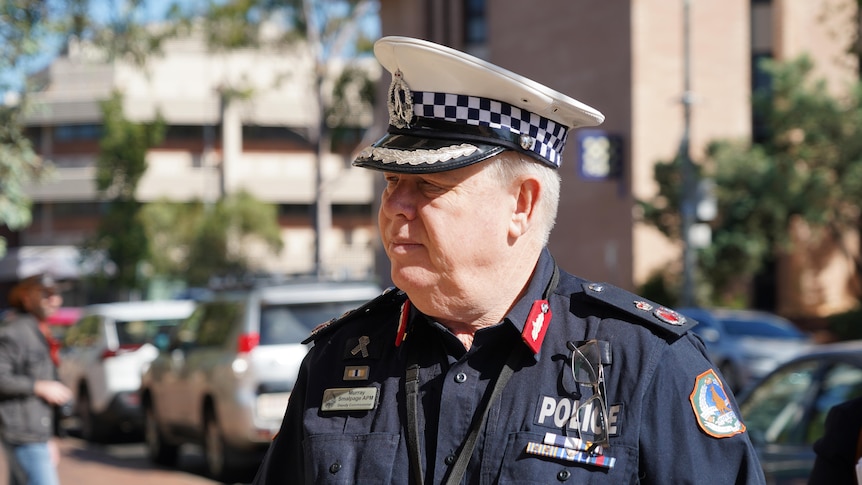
(136, 332)
(775, 408)
(760, 328)
(287, 324)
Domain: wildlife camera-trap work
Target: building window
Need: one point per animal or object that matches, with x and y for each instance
(77, 132)
(78, 209)
(338, 210)
(348, 210)
(761, 49)
(184, 132)
(66, 209)
(280, 133)
(34, 134)
(475, 27)
(287, 210)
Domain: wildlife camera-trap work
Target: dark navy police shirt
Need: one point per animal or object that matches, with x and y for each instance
(669, 418)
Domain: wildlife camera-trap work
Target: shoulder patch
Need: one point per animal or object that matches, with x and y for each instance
(712, 408)
(391, 297)
(645, 311)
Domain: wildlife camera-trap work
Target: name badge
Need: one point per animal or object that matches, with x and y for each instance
(349, 399)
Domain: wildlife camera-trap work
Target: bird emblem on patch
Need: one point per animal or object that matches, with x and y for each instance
(712, 407)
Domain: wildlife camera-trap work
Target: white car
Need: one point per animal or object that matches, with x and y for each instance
(103, 357)
(225, 378)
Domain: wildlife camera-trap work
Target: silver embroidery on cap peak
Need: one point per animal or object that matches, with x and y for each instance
(400, 102)
(417, 157)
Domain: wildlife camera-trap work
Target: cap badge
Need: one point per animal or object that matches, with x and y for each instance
(400, 102)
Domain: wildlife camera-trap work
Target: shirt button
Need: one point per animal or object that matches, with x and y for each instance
(449, 460)
(563, 475)
(460, 378)
(335, 468)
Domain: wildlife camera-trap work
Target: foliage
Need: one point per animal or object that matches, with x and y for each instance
(18, 165)
(656, 288)
(809, 170)
(208, 240)
(22, 22)
(327, 29)
(123, 149)
(330, 33)
(31, 32)
(352, 89)
(845, 326)
(119, 168)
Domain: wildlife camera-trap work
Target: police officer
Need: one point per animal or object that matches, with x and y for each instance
(488, 363)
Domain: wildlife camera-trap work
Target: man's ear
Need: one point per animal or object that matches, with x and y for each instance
(528, 192)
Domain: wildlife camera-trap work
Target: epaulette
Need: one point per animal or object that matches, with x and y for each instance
(391, 298)
(644, 311)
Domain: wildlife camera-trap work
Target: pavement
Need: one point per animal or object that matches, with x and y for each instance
(121, 464)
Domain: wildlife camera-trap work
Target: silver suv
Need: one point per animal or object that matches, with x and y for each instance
(224, 378)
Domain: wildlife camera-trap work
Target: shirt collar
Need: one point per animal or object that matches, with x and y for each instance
(517, 316)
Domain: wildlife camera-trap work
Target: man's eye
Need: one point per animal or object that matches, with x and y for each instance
(430, 186)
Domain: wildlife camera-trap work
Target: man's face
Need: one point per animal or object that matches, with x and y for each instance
(42, 302)
(445, 232)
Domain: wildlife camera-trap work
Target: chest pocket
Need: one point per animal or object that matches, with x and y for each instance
(350, 459)
(522, 468)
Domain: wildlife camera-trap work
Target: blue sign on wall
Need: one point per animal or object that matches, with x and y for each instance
(600, 155)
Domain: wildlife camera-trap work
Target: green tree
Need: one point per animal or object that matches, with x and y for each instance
(31, 31)
(19, 164)
(194, 241)
(22, 23)
(119, 168)
(808, 170)
(328, 29)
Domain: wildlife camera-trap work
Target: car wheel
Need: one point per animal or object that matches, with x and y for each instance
(158, 449)
(216, 452)
(90, 429)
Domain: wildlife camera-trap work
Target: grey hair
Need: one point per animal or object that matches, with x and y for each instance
(511, 165)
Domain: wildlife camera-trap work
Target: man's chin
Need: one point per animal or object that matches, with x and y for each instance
(413, 278)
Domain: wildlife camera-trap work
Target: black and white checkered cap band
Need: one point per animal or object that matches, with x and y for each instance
(550, 136)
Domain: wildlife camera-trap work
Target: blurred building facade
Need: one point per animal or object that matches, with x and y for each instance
(627, 59)
(214, 146)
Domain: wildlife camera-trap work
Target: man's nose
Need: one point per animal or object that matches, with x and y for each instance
(400, 201)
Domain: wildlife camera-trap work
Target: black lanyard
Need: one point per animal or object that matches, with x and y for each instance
(411, 385)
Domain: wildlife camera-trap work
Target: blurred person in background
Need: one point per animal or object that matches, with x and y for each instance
(29, 389)
(839, 449)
